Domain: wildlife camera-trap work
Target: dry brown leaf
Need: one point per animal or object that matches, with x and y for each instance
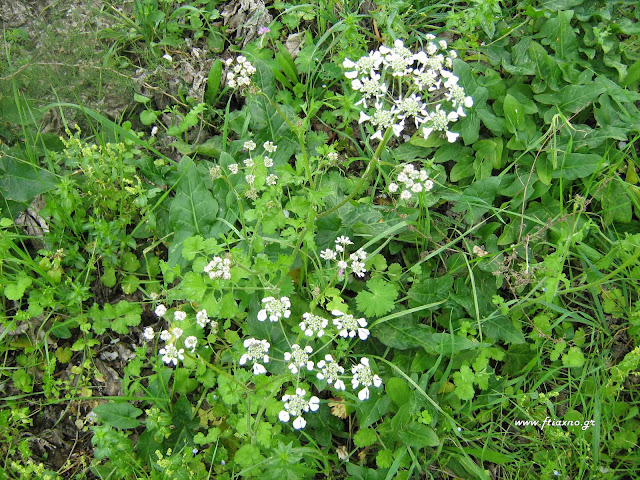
(338, 408)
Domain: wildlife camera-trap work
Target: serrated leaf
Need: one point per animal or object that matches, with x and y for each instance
(365, 437)
(118, 414)
(379, 300)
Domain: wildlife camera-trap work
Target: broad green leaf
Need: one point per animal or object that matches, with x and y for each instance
(558, 33)
(578, 165)
(430, 290)
(21, 181)
(119, 414)
(570, 99)
(193, 210)
(573, 358)
(419, 436)
(373, 409)
(514, 113)
(501, 327)
(398, 390)
(15, 290)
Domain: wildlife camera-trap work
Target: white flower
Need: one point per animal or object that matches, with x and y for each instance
(170, 354)
(249, 145)
(191, 342)
(201, 318)
(328, 254)
(272, 179)
(275, 309)
(160, 310)
(270, 147)
(165, 335)
(248, 162)
(233, 168)
(297, 404)
(342, 264)
(149, 334)
(333, 156)
(313, 325)
(428, 185)
(177, 332)
(393, 187)
(358, 269)
(167, 57)
(405, 195)
(179, 316)
(348, 325)
(362, 375)
(219, 268)
(299, 358)
(250, 179)
(240, 73)
(330, 371)
(256, 353)
(268, 162)
(342, 240)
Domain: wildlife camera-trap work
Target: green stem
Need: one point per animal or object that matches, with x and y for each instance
(371, 167)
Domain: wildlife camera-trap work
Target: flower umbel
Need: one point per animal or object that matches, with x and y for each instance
(330, 371)
(275, 309)
(297, 404)
(256, 353)
(348, 325)
(313, 325)
(364, 376)
(299, 358)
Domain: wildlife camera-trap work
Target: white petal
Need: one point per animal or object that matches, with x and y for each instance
(314, 403)
(356, 84)
(363, 333)
(339, 385)
(284, 416)
(259, 369)
(426, 132)
(364, 361)
(337, 313)
(468, 102)
(348, 63)
(363, 117)
(452, 136)
(309, 365)
(452, 117)
(320, 375)
(363, 394)
(299, 423)
(351, 75)
(262, 315)
(377, 381)
(243, 358)
(377, 135)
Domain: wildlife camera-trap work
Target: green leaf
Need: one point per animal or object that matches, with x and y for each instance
(213, 81)
(380, 300)
(430, 290)
(419, 436)
(398, 390)
(578, 165)
(141, 98)
(464, 383)
(571, 98)
(373, 409)
(558, 33)
(147, 117)
(490, 455)
(15, 290)
(365, 437)
(118, 414)
(573, 358)
(248, 455)
(501, 327)
(192, 211)
(21, 181)
(126, 315)
(514, 112)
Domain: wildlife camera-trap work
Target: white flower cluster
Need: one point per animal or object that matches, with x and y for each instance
(171, 353)
(363, 375)
(299, 358)
(275, 309)
(397, 85)
(295, 405)
(257, 353)
(252, 165)
(240, 72)
(219, 268)
(412, 181)
(339, 255)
